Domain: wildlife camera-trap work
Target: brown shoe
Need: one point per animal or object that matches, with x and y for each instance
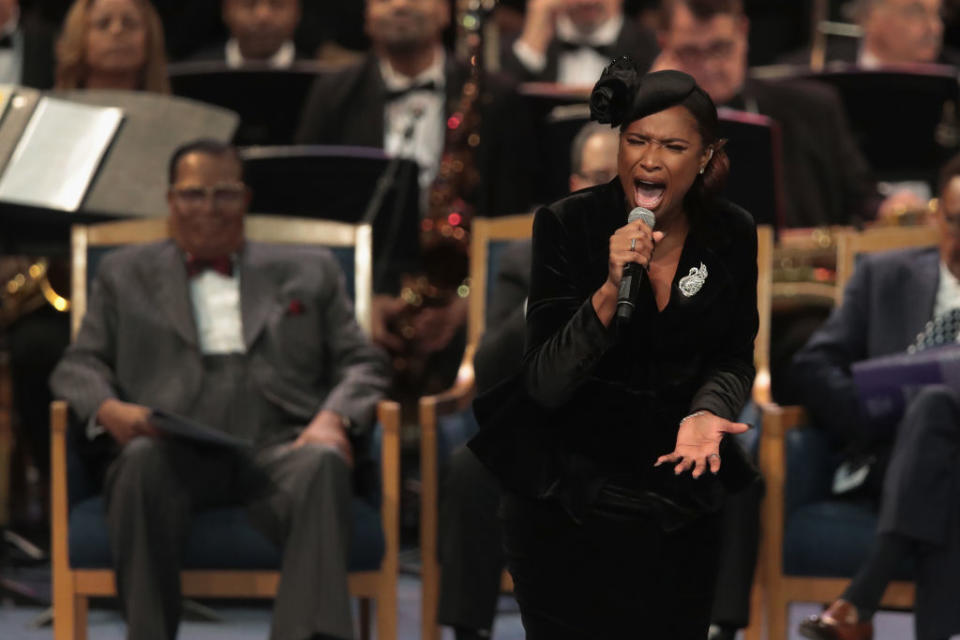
(838, 622)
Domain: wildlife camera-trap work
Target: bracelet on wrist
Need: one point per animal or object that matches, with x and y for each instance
(693, 415)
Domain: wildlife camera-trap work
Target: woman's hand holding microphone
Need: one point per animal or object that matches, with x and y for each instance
(633, 242)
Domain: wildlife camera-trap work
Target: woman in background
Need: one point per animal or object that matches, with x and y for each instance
(112, 44)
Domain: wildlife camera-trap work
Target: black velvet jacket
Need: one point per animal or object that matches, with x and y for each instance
(596, 405)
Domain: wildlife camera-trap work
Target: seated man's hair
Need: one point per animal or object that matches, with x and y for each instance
(701, 9)
(206, 146)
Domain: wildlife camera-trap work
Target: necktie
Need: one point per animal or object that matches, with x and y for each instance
(420, 86)
(605, 50)
(940, 331)
(221, 264)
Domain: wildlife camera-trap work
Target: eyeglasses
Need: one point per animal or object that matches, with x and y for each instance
(223, 196)
(127, 22)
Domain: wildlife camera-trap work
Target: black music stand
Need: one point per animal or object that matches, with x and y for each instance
(337, 183)
(906, 122)
(269, 101)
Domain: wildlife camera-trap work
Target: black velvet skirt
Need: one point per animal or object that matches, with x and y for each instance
(612, 575)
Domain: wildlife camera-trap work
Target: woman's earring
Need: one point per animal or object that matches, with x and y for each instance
(702, 169)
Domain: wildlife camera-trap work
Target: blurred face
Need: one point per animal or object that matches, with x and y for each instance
(948, 223)
(7, 8)
(598, 162)
(261, 26)
(660, 157)
(587, 15)
(905, 31)
(406, 25)
(207, 204)
(116, 37)
(713, 51)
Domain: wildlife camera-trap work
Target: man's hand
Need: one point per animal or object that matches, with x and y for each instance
(327, 429)
(435, 327)
(384, 310)
(539, 25)
(698, 443)
(125, 421)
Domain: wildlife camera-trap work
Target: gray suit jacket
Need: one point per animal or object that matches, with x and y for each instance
(886, 304)
(138, 341)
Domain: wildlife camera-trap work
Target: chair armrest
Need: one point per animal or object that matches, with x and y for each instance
(388, 414)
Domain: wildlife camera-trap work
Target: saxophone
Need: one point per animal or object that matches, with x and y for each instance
(26, 287)
(444, 285)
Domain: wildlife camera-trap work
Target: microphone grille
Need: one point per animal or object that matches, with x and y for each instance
(642, 213)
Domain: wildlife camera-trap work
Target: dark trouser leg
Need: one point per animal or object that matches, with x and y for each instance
(308, 513)
(740, 539)
(471, 549)
(150, 490)
(919, 503)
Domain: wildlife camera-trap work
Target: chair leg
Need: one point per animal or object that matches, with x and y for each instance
(80, 617)
(64, 608)
(777, 617)
(387, 613)
(430, 592)
(365, 618)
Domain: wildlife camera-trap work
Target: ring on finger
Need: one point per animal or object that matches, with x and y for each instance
(633, 244)
(713, 455)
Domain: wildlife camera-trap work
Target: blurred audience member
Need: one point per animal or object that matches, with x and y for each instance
(112, 44)
(26, 48)
(400, 99)
(261, 31)
(895, 301)
(895, 32)
(571, 41)
(471, 552)
(255, 340)
(826, 179)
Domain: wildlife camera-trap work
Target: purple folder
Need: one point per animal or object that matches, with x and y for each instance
(886, 385)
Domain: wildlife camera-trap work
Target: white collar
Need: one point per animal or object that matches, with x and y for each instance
(606, 34)
(866, 59)
(396, 81)
(283, 58)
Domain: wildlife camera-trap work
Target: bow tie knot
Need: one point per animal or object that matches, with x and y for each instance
(221, 264)
(605, 50)
(396, 94)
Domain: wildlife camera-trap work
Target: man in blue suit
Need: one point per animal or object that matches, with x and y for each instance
(894, 301)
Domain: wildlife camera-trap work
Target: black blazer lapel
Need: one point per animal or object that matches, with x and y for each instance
(173, 292)
(924, 279)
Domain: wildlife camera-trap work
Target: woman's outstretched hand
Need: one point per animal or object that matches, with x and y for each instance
(698, 443)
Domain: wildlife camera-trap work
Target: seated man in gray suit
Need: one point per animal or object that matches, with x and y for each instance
(894, 301)
(255, 340)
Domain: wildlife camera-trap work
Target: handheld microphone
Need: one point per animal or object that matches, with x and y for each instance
(633, 273)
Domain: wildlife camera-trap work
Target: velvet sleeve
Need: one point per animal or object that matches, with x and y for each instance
(565, 339)
(729, 368)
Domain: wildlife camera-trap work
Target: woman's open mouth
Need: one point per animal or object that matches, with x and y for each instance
(648, 194)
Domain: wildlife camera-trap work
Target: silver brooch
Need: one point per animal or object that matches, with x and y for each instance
(691, 283)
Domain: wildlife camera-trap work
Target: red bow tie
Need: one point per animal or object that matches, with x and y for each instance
(221, 264)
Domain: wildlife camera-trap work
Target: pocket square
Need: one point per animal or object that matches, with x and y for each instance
(295, 307)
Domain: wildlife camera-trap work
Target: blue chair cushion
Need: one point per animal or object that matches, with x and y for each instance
(811, 461)
(831, 538)
(221, 539)
(454, 431)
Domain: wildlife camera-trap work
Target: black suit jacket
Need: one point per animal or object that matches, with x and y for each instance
(826, 178)
(887, 302)
(635, 41)
(594, 403)
(347, 108)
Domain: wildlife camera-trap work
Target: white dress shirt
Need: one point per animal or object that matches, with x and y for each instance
(423, 110)
(282, 59)
(216, 311)
(11, 60)
(582, 66)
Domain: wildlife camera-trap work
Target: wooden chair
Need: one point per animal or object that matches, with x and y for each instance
(802, 497)
(490, 236)
(74, 585)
